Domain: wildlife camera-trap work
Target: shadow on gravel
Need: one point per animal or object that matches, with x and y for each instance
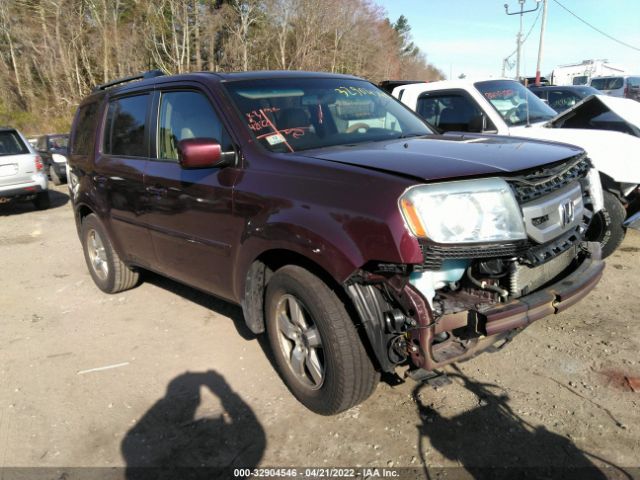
(234, 312)
(168, 442)
(492, 442)
(17, 207)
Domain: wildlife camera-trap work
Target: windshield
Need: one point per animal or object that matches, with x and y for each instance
(513, 101)
(294, 114)
(58, 141)
(607, 83)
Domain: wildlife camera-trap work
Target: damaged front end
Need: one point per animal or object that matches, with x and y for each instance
(466, 298)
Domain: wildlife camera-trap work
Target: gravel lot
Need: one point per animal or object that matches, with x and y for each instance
(190, 385)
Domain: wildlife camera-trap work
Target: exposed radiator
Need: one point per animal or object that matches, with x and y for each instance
(525, 280)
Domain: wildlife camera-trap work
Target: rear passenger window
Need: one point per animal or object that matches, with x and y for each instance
(125, 127)
(84, 131)
(185, 115)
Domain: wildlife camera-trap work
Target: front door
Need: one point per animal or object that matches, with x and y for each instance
(190, 214)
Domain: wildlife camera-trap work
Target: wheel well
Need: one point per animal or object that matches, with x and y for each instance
(83, 211)
(258, 277)
(610, 185)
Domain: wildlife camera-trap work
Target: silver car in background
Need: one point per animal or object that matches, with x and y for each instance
(22, 172)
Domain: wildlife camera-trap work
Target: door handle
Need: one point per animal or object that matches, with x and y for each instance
(160, 191)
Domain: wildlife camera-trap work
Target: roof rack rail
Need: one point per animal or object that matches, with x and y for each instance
(145, 75)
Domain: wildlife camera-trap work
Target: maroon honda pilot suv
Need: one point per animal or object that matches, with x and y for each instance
(349, 231)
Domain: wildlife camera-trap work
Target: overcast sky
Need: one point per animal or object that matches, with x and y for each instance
(474, 36)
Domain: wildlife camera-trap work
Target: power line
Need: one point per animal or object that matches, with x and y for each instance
(526, 36)
(597, 29)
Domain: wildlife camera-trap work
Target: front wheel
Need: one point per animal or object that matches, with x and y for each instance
(606, 225)
(109, 273)
(317, 349)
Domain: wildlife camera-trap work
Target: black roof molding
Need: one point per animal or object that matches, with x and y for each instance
(142, 76)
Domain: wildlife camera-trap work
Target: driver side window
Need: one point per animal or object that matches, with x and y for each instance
(452, 112)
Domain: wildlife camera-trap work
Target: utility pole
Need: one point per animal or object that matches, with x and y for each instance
(544, 21)
(519, 36)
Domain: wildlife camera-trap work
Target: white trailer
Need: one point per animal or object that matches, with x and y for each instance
(581, 73)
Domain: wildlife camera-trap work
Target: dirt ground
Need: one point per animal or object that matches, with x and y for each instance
(190, 385)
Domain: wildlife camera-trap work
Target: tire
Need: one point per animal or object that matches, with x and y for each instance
(109, 273)
(347, 375)
(42, 200)
(55, 178)
(606, 225)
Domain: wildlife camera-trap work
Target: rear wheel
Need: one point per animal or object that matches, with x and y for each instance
(42, 200)
(316, 347)
(606, 225)
(109, 273)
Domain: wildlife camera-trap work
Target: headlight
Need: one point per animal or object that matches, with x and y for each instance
(595, 190)
(468, 211)
(59, 158)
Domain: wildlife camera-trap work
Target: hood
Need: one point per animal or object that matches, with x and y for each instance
(436, 157)
(601, 112)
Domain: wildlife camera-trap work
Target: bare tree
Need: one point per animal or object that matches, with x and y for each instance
(52, 52)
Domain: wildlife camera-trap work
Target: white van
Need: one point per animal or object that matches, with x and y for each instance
(624, 86)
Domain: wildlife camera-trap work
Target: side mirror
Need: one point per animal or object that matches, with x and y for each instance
(202, 153)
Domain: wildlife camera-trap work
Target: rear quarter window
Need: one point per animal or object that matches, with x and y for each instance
(83, 137)
(12, 144)
(125, 127)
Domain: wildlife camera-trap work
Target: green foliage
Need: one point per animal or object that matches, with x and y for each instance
(33, 122)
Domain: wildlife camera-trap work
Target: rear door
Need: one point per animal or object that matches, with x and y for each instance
(17, 163)
(190, 210)
(119, 170)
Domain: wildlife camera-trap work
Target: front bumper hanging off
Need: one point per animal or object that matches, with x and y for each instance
(496, 321)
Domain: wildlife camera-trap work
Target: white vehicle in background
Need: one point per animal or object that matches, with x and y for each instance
(22, 174)
(623, 86)
(581, 73)
(607, 128)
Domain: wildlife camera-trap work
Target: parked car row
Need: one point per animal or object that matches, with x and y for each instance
(563, 97)
(358, 237)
